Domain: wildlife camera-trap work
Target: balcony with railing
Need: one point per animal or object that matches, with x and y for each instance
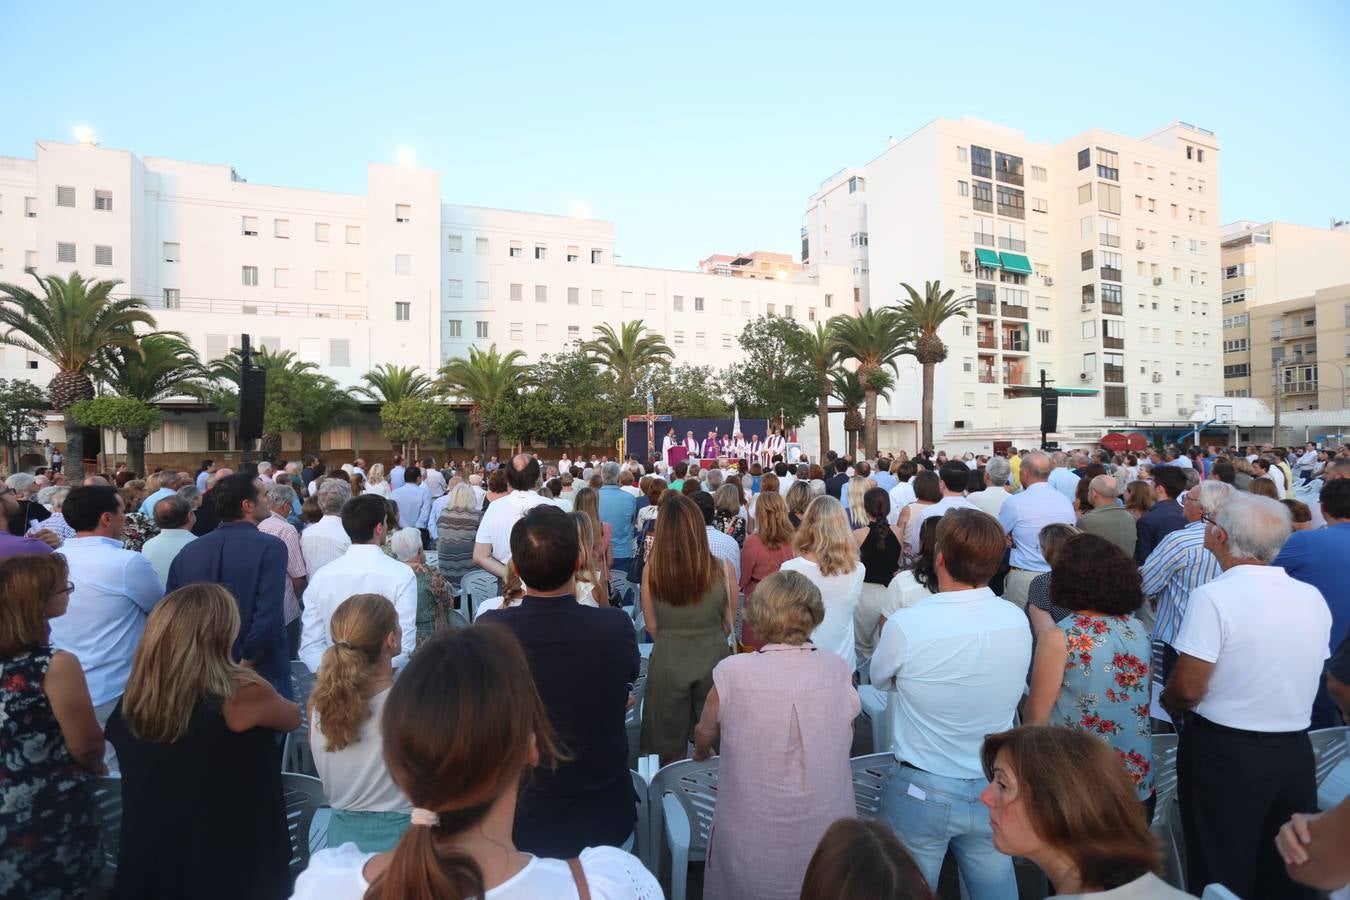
(1012, 210)
(1108, 172)
(1016, 376)
(982, 204)
(1114, 374)
(1109, 342)
(983, 240)
(981, 170)
(984, 308)
(1110, 274)
(259, 307)
(987, 376)
(1012, 311)
(1009, 243)
(1109, 240)
(1113, 307)
(1016, 340)
(986, 339)
(985, 366)
(1302, 386)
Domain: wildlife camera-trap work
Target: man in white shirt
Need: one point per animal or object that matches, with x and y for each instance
(414, 505)
(492, 545)
(1251, 648)
(785, 477)
(958, 661)
(1307, 462)
(363, 569)
(995, 493)
(432, 479)
(115, 590)
(954, 475)
(1023, 515)
(396, 473)
(902, 494)
(326, 540)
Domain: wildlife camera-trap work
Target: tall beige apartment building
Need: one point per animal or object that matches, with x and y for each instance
(1286, 320)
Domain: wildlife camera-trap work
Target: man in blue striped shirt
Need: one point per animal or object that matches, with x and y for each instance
(1180, 563)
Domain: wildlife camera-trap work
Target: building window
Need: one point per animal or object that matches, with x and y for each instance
(281, 278)
(678, 337)
(321, 231)
(173, 298)
(1039, 205)
(963, 189)
(517, 292)
(698, 304)
(1085, 193)
(597, 298)
(540, 251)
(480, 246)
(573, 296)
(1089, 328)
(250, 276)
(574, 332)
(281, 228)
(455, 243)
(481, 329)
(339, 352)
(65, 196)
(829, 301)
(402, 311)
(1114, 402)
(218, 435)
(1108, 164)
(1084, 158)
(352, 282)
(961, 154)
(626, 299)
(30, 207)
(172, 252)
(981, 162)
(454, 328)
(745, 309)
(700, 339)
(1108, 198)
(677, 303)
(102, 255)
(540, 331)
(353, 234)
(1241, 370)
(1008, 169)
(481, 290)
(541, 293)
(1038, 173)
(597, 256)
(249, 226)
(650, 301)
(103, 201)
(573, 253)
(456, 287)
(320, 280)
(517, 331)
(1086, 257)
(402, 213)
(402, 264)
(983, 198)
(856, 184)
(1042, 335)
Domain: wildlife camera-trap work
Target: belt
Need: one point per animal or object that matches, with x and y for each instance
(1209, 725)
(910, 765)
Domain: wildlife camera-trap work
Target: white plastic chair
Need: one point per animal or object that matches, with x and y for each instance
(1166, 814)
(108, 802)
(642, 831)
(303, 795)
(633, 718)
(1331, 755)
(478, 585)
(683, 796)
(1218, 892)
(869, 781)
(876, 705)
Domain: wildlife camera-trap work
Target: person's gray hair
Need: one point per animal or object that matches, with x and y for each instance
(714, 480)
(21, 482)
(169, 479)
(44, 496)
(462, 497)
(333, 495)
(1257, 526)
(1104, 486)
(1059, 459)
(1036, 465)
(190, 493)
(406, 544)
(1192, 476)
(803, 470)
(172, 512)
(281, 495)
(586, 474)
(609, 473)
(817, 487)
(264, 467)
(1214, 495)
(997, 470)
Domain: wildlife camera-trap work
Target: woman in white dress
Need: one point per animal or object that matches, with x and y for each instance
(828, 555)
(376, 482)
(461, 726)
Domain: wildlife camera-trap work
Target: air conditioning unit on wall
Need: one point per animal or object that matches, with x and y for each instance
(963, 423)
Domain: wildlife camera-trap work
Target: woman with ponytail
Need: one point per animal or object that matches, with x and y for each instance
(461, 726)
(348, 698)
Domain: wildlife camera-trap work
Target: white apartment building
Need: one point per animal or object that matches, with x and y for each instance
(350, 281)
(1095, 260)
(834, 229)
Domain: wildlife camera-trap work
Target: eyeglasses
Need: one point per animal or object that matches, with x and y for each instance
(70, 587)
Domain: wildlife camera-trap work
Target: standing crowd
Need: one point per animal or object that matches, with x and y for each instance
(1016, 629)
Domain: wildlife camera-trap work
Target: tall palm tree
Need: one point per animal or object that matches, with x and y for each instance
(847, 388)
(876, 339)
(823, 356)
(388, 383)
(165, 367)
(628, 354)
(70, 324)
(925, 315)
(483, 379)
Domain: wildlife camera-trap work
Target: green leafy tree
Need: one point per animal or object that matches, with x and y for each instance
(924, 315)
(847, 388)
(414, 420)
(165, 367)
(689, 392)
(71, 323)
(223, 392)
(628, 355)
(388, 383)
(582, 396)
(305, 402)
(482, 379)
(134, 419)
(875, 339)
(21, 406)
(774, 376)
(822, 357)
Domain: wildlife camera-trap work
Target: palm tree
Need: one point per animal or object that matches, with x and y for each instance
(822, 356)
(70, 324)
(876, 339)
(628, 354)
(925, 315)
(165, 367)
(847, 388)
(483, 379)
(388, 383)
(224, 393)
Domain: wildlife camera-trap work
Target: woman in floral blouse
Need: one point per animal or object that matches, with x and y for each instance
(1091, 670)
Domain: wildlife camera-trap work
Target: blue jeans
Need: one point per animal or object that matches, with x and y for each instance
(928, 812)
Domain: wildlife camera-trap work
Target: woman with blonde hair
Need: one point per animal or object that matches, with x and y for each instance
(777, 794)
(798, 498)
(587, 500)
(376, 482)
(591, 583)
(855, 505)
(513, 591)
(456, 531)
(828, 555)
(345, 706)
(196, 731)
(53, 745)
(1139, 498)
(689, 606)
(463, 727)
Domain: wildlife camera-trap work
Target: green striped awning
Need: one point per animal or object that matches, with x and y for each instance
(987, 258)
(1016, 262)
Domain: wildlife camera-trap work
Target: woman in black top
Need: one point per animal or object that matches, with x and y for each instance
(879, 545)
(195, 733)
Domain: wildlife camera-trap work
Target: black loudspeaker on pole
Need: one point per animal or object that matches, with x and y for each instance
(252, 394)
(1049, 410)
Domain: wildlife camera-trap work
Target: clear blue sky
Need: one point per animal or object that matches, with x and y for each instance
(696, 128)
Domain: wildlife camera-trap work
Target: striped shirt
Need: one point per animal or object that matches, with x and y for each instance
(1178, 565)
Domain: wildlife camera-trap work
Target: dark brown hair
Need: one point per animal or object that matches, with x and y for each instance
(862, 859)
(457, 732)
(1078, 799)
(26, 583)
(681, 563)
(971, 544)
(1090, 572)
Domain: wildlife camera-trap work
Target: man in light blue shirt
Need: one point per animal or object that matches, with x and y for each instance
(1022, 516)
(175, 519)
(957, 661)
(883, 477)
(204, 476)
(414, 503)
(169, 483)
(115, 589)
(1063, 478)
(617, 509)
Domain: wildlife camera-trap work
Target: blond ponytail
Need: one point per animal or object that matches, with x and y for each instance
(359, 628)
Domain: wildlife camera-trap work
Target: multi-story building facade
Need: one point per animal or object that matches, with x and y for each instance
(834, 228)
(350, 281)
(758, 264)
(1285, 311)
(1094, 260)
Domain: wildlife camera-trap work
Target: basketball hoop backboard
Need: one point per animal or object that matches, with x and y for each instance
(1223, 414)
